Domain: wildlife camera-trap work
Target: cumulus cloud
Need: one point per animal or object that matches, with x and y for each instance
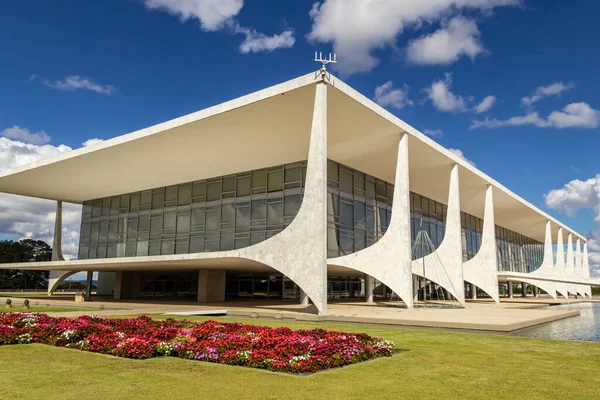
(485, 104)
(434, 132)
(257, 42)
(215, 15)
(25, 135)
(77, 82)
(91, 142)
(212, 14)
(573, 197)
(442, 97)
(574, 115)
(458, 37)
(460, 154)
(387, 96)
(357, 28)
(540, 92)
(27, 217)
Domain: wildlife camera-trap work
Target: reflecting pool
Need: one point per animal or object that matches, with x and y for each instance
(586, 327)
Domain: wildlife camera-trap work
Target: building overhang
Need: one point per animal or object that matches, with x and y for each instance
(263, 129)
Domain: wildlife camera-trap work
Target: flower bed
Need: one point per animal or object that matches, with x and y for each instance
(275, 349)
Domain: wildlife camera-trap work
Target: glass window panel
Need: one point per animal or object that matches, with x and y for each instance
(196, 245)
(132, 227)
(293, 174)
(97, 210)
(213, 220)
(146, 198)
(346, 180)
(154, 248)
(156, 226)
(359, 215)
(211, 244)
(359, 181)
(275, 214)
(242, 217)
(158, 199)
(227, 241)
(85, 232)
(124, 202)
(213, 191)
(111, 251)
(94, 232)
(120, 249)
(332, 171)
(229, 184)
(275, 181)
(171, 193)
(360, 240)
(183, 223)
(185, 195)
(83, 252)
(346, 214)
(259, 178)
(243, 186)
(198, 216)
(370, 189)
(144, 223)
(103, 231)
(106, 206)
(292, 205)
(257, 237)
(170, 220)
(142, 248)
(241, 243)
(167, 246)
(199, 189)
(181, 246)
(134, 203)
(259, 209)
(381, 189)
(227, 213)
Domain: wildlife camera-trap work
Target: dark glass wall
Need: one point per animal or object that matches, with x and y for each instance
(427, 215)
(472, 228)
(518, 253)
(359, 207)
(224, 213)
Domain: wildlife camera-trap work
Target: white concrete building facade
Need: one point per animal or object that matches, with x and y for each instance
(305, 190)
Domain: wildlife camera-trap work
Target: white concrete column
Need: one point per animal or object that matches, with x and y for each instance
(536, 291)
(473, 292)
(579, 267)
(523, 289)
(546, 269)
(570, 265)
(482, 269)
(118, 285)
(211, 286)
(559, 267)
(586, 269)
(56, 277)
(105, 283)
(448, 273)
(304, 300)
(368, 288)
(389, 260)
(510, 289)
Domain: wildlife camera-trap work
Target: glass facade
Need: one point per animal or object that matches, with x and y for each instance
(517, 253)
(236, 211)
(224, 213)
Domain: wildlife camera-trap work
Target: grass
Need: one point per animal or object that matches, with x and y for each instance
(437, 365)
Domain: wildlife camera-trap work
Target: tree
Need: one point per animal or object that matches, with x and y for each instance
(26, 250)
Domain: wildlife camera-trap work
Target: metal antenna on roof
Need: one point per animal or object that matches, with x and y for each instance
(324, 61)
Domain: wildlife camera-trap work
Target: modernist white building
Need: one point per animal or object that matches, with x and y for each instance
(305, 190)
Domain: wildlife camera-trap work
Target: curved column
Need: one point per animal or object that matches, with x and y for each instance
(300, 250)
(449, 275)
(547, 267)
(56, 278)
(559, 267)
(579, 267)
(482, 269)
(570, 265)
(388, 259)
(586, 269)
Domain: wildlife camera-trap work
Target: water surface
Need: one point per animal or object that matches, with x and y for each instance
(585, 327)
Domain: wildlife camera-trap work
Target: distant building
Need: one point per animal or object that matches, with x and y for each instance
(304, 190)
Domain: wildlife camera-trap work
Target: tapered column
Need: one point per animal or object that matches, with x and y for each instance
(304, 300)
(88, 285)
(445, 266)
(523, 289)
(510, 289)
(57, 241)
(389, 260)
(559, 267)
(579, 267)
(570, 265)
(586, 269)
(546, 269)
(482, 269)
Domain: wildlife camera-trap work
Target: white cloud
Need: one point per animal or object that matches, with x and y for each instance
(574, 115)
(25, 135)
(485, 104)
(215, 15)
(76, 82)
(257, 42)
(357, 28)
(460, 154)
(573, 197)
(553, 89)
(27, 217)
(387, 96)
(91, 142)
(212, 14)
(434, 132)
(458, 37)
(442, 97)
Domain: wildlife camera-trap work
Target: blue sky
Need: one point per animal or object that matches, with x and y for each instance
(77, 70)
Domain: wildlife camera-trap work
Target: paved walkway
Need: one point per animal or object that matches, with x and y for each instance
(478, 315)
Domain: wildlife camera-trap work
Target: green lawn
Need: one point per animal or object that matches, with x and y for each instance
(437, 365)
